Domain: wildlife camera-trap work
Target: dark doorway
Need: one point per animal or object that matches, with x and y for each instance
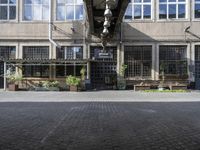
(1, 74)
(103, 67)
(197, 67)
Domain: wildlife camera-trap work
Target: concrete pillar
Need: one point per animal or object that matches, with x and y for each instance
(89, 70)
(119, 58)
(191, 61)
(156, 62)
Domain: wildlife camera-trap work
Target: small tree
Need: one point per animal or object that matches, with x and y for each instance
(83, 72)
(123, 70)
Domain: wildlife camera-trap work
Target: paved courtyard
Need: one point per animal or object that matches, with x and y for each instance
(99, 121)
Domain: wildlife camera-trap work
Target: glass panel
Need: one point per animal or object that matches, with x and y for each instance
(3, 1)
(37, 12)
(197, 10)
(128, 14)
(172, 11)
(12, 12)
(60, 12)
(137, 12)
(28, 12)
(69, 12)
(147, 11)
(3, 12)
(12, 1)
(162, 11)
(181, 11)
(79, 12)
(45, 12)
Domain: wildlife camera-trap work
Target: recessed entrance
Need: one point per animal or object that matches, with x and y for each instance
(103, 67)
(197, 67)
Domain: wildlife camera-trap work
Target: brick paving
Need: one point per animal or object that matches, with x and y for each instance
(100, 126)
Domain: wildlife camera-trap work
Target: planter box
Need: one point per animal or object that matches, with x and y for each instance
(13, 87)
(178, 87)
(141, 87)
(73, 88)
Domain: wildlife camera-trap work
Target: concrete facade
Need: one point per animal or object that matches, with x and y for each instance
(152, 32)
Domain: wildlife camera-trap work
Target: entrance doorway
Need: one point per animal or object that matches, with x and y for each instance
(103, 67)
(1, 74)
(197, 67)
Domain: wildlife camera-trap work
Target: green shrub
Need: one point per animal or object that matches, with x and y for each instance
(13, 78)
(50, 83)
(73, 81)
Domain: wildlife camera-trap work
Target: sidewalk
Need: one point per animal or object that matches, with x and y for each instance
(112, 96)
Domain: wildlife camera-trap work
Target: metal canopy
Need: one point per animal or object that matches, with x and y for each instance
(95, 11)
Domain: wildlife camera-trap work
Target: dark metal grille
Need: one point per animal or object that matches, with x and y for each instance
(36, 52)
(138, 60)
(36, 71)
(70, 52)
(7, 52)
(173, 60)
(197, 62)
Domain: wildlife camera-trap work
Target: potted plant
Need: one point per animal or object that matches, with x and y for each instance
(83, 72)
(121, 82)
(51, 85)
(13, 81)
(73, 83)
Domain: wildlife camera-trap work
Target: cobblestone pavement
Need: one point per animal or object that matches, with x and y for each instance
(100, 126)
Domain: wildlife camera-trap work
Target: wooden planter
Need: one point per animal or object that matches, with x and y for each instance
(73, 88)
(13, 87)
(141, 87)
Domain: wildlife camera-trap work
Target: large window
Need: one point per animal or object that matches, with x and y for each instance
(36, 52)
(36, 10)
(172, 9)
(197, 8)
(35, 71)
(139, 61)
(7, 9)
(173, 61)
(70, 52)
(69, 10)
(68, 69)
(7, 52)
(139, 9)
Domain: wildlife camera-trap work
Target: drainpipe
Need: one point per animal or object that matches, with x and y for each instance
(50, 25)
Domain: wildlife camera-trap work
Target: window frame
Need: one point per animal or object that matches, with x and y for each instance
(142, 3)
(8, 12)
(187, 11)
(193, 12)
(74, 4)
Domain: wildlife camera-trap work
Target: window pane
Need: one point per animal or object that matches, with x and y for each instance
(12, 12)
(3, 1)
(28, 12)
(12, 1)
(181, 11)
(37, 12)
(128, 14)
(137, 12)
(197, 10)
(147, 11)
(60, 12)
(79, 12)
(163, 11)
(45, 12)
(172, 11)
(3, 12)
(69, 12)
(28, 2)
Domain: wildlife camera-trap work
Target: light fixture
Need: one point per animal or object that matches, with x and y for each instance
(105, 31)
(106, 23)
(107, 12)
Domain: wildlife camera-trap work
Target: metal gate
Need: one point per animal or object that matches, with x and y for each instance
(197, 67)
(1, 74)
(103, 67)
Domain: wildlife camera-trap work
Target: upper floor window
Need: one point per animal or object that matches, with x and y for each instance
(36, 10)
(36, 52)
(7, 9)
(197, 9)
(172, 9)
(69, 10)
(139, 9)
